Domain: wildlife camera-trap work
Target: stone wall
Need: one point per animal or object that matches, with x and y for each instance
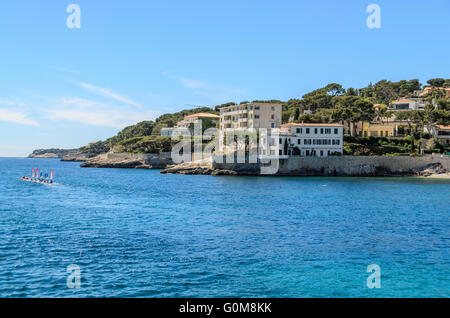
(344, 166)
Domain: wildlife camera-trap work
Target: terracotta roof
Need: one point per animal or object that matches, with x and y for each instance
(403, 100)
(431, 87)
(204, 115)
(310, 124)
(442, 127)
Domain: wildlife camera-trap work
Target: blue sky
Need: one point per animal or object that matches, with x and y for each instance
(134, 60)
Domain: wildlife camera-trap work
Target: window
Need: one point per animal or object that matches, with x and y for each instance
(307, 152)
(299, 141)
(321, 153)
(315, 130)
(381, 133)
(272, 125)
(256, 116)
(335, 131)
(281, 141)
(298, 130)
(281, 152)
(273, 116)
(273, 108)
(256, 107)
(328, 130)
(321, 130)
(329, 152)
(307, 130)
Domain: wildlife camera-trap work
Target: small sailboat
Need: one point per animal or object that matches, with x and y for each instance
(39, 177)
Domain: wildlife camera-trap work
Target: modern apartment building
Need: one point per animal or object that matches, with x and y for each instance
(408, 104)
(250, 115)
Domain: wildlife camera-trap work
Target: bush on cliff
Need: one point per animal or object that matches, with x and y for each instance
(145, 144)
(371, 146)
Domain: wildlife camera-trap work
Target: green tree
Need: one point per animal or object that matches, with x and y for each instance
(436, 82)
(385, 92)
(353, 109)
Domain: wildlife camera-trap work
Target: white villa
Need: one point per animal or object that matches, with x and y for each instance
(310, 139)
(305, 140)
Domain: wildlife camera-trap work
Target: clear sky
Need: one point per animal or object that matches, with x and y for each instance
(134, 60)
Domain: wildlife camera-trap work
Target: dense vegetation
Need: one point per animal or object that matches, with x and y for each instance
(332, 103)
(128, 140)
(56, 151)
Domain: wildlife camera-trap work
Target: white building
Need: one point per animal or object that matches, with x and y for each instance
(183, 127)
(408, 104)
(191, 119)
(175, 131)
(311, 139)
(250, 115)
(441, 132)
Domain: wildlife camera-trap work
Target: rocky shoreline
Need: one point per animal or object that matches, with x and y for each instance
(204, 167)
(343, 167)
(375, 166)
(128, 161)
(80, 157)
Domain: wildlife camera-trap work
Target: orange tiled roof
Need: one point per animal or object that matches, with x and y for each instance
(403, 100)
(442, 127)
(204, 115)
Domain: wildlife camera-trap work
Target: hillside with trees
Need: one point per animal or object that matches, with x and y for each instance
(332, 103)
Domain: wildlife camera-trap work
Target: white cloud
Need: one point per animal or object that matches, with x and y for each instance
(189, 82)
(78, 102)
(16, 117)
(93, 113)
(214, 92)
(109, 94)
(11, 103)
(107, 118)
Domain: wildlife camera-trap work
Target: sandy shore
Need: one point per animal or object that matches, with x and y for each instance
(439, 176)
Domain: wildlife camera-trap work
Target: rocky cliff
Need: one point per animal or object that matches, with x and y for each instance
(362, 166)
(53, 153)
(130, 161)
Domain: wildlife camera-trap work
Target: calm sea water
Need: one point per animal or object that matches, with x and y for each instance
(137, 233)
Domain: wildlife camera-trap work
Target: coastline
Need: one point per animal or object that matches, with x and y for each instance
(428, 166)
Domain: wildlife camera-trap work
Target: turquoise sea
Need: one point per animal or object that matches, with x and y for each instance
(137, 233)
